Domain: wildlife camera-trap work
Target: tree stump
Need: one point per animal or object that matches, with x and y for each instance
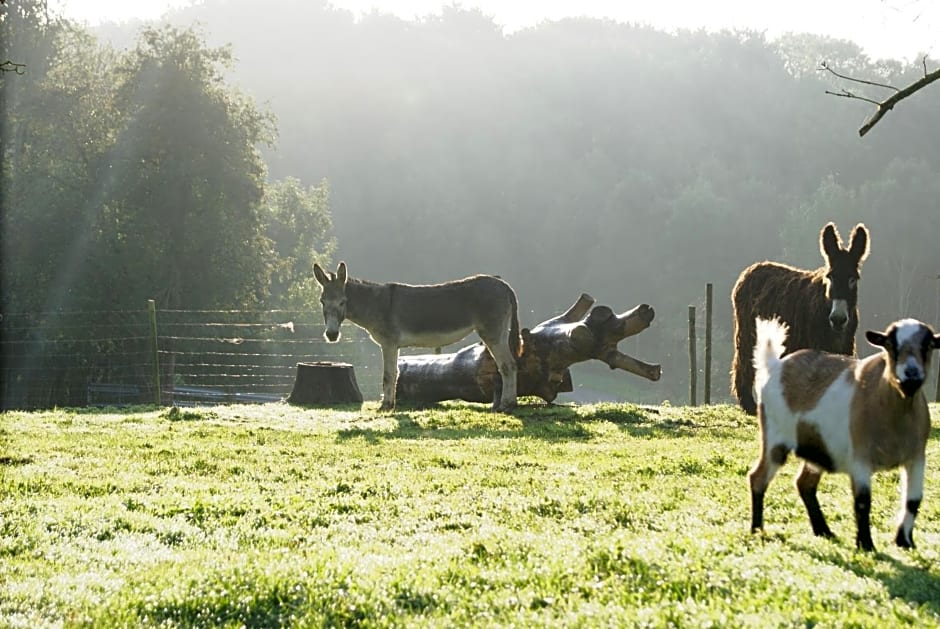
(325, 383)
(580, 334)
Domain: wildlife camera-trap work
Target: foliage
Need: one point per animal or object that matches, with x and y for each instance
(604, 515)
(45, 167)
(299, 225)
(139, 171)
(186, 178)
(576, 156)
(588, 155)
(130, 176)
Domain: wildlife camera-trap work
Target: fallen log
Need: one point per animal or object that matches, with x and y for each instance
(581, 333)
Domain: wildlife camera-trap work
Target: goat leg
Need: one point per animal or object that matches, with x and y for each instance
(806, 482)
(912, 484)
(862, 493)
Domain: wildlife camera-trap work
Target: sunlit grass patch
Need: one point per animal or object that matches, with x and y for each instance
(606, 514)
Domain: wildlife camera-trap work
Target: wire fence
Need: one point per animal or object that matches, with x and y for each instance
(103, 358)
(107, 357)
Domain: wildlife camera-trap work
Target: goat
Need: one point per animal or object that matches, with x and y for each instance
(820, 307)
(847, 415)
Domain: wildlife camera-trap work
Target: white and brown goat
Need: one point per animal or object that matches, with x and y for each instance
(848, 415)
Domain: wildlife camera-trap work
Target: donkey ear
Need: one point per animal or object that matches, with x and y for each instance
(878, 339)
(829, 241)
(858, 246)
(341, 272)
(318, 273)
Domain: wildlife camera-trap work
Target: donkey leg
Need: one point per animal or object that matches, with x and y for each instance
(389, 376)
(743, 370)
(508, 373)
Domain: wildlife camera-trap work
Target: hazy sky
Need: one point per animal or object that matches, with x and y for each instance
(884, 28)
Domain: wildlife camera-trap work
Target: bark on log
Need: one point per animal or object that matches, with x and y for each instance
(470, 374)
(325, 383)
(580, 333)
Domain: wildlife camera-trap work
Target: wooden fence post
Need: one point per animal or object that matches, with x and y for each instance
(692, 360)
(152, 311)
(708, 343)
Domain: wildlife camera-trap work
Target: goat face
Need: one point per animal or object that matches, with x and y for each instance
(843, 267)
(907, 344)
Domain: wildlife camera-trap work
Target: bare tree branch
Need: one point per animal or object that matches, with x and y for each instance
(847, 94)
(886, 105)
(9, 66)
(889, 103)
(825, 66)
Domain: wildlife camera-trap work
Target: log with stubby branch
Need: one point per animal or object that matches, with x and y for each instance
(549, 349)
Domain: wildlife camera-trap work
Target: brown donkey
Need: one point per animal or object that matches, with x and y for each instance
(434, 315)
(819, 307)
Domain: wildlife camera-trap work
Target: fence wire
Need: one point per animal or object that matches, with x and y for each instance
(106, 357)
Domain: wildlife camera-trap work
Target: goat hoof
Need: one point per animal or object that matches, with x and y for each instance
(903, 541)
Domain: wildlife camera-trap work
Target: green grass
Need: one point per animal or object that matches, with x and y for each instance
(606, 515)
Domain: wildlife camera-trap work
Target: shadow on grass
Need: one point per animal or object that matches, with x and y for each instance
(538, 421)
(916, 584)
(15, 460)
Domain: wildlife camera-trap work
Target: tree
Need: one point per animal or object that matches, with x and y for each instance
(298, 223)
(7, 65)
(900, 206)
(135, 176)
(54, 127)
(182, 218)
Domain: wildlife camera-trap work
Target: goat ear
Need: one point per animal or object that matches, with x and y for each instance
(341, 272)
(858, 246)
(318, 273)
(829, 241)
(878, 339)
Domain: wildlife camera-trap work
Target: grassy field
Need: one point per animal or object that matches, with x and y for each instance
(604, 515)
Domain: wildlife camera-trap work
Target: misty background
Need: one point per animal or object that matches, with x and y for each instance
(208, 161)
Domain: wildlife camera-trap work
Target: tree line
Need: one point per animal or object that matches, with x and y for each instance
(137, 174)
(210, 160)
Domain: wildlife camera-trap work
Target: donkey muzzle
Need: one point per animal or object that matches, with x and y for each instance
(839, 315)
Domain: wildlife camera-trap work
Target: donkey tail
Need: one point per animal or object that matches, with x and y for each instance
(771, 336)
(515, 337)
